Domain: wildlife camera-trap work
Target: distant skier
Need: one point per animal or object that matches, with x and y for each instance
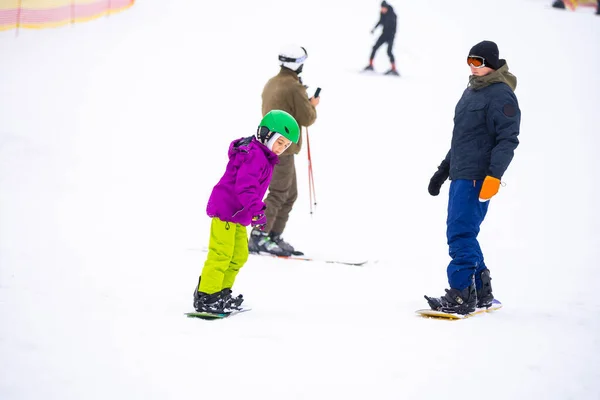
(388, 21)
(486, 125)
(236, 201)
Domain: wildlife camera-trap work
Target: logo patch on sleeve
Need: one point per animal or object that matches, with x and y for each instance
(509, 110)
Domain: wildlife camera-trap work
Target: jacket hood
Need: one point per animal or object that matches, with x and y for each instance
(243, 145)
(501, 75)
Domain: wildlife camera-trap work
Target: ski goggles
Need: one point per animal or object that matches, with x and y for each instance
(299, 60)
(476, 61)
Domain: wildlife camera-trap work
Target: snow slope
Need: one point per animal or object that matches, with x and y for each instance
(112, 134)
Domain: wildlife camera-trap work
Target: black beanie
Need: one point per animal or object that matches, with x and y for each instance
(489, 51)
(385, 4)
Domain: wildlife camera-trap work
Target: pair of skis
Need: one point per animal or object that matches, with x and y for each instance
(358, 262)
(391, 72)
(354, 262)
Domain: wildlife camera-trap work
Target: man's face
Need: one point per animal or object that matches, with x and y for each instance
(480, 71)
(384, 10)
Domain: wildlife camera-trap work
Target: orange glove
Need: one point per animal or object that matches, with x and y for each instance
(489, 188)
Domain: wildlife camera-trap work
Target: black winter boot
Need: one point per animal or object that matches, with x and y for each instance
(204, 302)
(558, 4)
(212, 303)
(455, 301)
(484, 295)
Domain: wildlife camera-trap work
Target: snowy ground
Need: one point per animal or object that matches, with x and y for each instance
(112, 134)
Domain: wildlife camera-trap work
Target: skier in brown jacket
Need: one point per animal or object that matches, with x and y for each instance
(284, 92)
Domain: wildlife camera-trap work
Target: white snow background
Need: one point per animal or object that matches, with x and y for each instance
(113, 133)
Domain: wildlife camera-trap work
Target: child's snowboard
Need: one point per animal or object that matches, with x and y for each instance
(429, 313)
(211, 316)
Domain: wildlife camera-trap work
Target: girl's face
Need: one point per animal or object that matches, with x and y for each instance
(280, 145)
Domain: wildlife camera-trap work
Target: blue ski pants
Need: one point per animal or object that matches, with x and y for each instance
(465, 215)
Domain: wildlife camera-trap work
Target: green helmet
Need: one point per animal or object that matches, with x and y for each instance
(278, 121)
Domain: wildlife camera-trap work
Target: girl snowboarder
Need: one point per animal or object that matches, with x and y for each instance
(236, 202)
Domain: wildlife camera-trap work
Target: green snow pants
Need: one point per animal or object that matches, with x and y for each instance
(227, 253)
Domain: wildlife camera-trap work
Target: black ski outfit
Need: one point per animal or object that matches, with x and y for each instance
(388, 21)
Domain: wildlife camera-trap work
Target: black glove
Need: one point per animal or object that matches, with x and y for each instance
(438, 179)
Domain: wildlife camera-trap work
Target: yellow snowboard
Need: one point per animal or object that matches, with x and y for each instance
(429, 313)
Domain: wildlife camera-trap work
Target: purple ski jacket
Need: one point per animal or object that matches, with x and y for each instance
(238, 195)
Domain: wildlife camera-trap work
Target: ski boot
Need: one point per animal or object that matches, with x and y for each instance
(369, 68)
(392, 72)
(231, 303)
(276, 237)
(455, 301)
(261, 242)
(484, 295)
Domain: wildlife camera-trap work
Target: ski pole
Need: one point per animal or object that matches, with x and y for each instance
(311, 178)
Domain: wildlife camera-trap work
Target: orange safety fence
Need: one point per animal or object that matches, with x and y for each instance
(39, 14)
(573, 4)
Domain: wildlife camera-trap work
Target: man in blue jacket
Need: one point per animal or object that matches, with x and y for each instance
(486, 126)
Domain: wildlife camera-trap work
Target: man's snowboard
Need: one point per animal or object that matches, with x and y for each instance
(429, 313)
(211, 316)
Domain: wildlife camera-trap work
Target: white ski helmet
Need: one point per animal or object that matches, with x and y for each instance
(293, 57)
